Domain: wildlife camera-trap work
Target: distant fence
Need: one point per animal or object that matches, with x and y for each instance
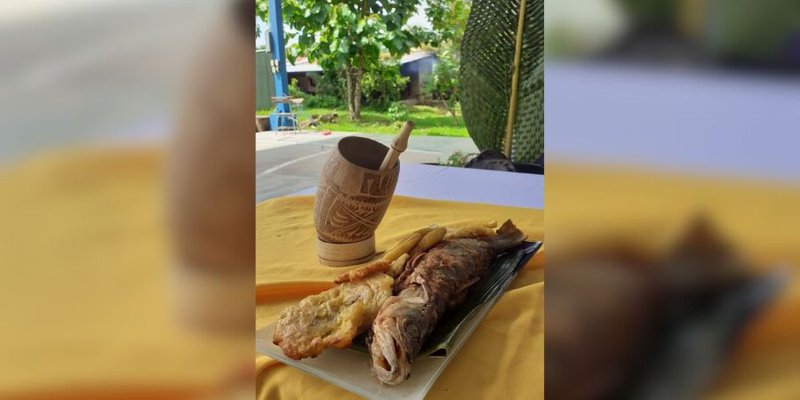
(265, 85)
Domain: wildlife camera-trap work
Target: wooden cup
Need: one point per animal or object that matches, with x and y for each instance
(352, 197)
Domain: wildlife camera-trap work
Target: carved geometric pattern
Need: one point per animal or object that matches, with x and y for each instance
(344, 216)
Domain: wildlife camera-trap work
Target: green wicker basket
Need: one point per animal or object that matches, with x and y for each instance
(492, 42)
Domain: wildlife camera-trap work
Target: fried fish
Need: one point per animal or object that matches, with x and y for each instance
(433, 282)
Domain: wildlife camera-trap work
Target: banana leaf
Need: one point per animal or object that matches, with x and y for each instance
(486, 74)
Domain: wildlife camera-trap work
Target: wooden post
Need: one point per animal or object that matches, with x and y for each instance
(512, 107)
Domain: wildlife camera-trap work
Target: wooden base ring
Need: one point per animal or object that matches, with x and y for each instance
(344, 254)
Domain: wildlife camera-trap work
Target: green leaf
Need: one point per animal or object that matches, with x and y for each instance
(397, 44)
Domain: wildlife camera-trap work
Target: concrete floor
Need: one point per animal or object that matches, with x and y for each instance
(289, 162)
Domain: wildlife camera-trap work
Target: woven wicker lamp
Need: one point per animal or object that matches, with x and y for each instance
(502, 77)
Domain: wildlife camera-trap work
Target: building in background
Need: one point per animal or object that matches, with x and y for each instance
(416, 65)
(265, 83)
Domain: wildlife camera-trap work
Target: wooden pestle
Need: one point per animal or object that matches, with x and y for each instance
(399, 145)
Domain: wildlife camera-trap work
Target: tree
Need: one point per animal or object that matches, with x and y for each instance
(448, 20)
(382, 85)
(443, 82)
(262, 12)
(350, 36)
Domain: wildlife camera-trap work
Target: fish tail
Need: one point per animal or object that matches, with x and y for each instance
(508, 236)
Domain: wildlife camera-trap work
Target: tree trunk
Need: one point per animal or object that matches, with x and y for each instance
(353, 76)
(451, 107)
(357, 94)
(359, 71)
(348, 74)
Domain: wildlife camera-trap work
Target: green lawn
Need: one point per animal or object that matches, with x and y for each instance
(428, 121)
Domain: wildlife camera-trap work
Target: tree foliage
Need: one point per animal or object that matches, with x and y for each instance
(443, 83)
(350, 36)
(448, 20)
(329, 83)
(262, 12)
(383, 84)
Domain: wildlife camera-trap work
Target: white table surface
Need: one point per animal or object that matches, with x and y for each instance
(467, 185)
(709, 121)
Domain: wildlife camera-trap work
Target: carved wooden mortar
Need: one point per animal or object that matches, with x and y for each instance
(352, 198)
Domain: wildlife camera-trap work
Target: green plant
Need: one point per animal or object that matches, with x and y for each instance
(448, 20)
(443, 83)
(457, 159)
(321, 101)
(397, 112)
(294, 91)
(382, 85)
(330, 83)
(351, 34)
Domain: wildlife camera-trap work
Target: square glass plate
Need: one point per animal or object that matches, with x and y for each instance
(350, 368)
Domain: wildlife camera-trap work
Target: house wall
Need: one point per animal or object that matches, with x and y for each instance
(418, 71)
(265, 84)
(304, 82)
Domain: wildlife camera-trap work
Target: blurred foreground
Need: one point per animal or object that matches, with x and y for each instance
(672, 200)
(662, 285)
(641, 144)
(126, 268)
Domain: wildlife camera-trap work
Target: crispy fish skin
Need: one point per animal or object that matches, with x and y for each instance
(440, 279)
(331, 318)
(433, 282)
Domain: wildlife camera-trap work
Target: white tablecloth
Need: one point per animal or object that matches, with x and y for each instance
(467, 185)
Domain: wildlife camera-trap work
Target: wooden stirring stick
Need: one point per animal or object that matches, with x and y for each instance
(399, 145)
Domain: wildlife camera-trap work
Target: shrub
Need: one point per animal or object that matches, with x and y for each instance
(330, 83)
(443, 83)
(294, 91)
(457, 159)
(382, 85)
(322, 101)
(397, 112)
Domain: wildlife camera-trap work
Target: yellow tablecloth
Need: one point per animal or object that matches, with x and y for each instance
(585, 203)
(645, 207)
(85, 289)
(504, 358)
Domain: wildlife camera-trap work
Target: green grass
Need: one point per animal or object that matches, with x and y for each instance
(428, 121)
